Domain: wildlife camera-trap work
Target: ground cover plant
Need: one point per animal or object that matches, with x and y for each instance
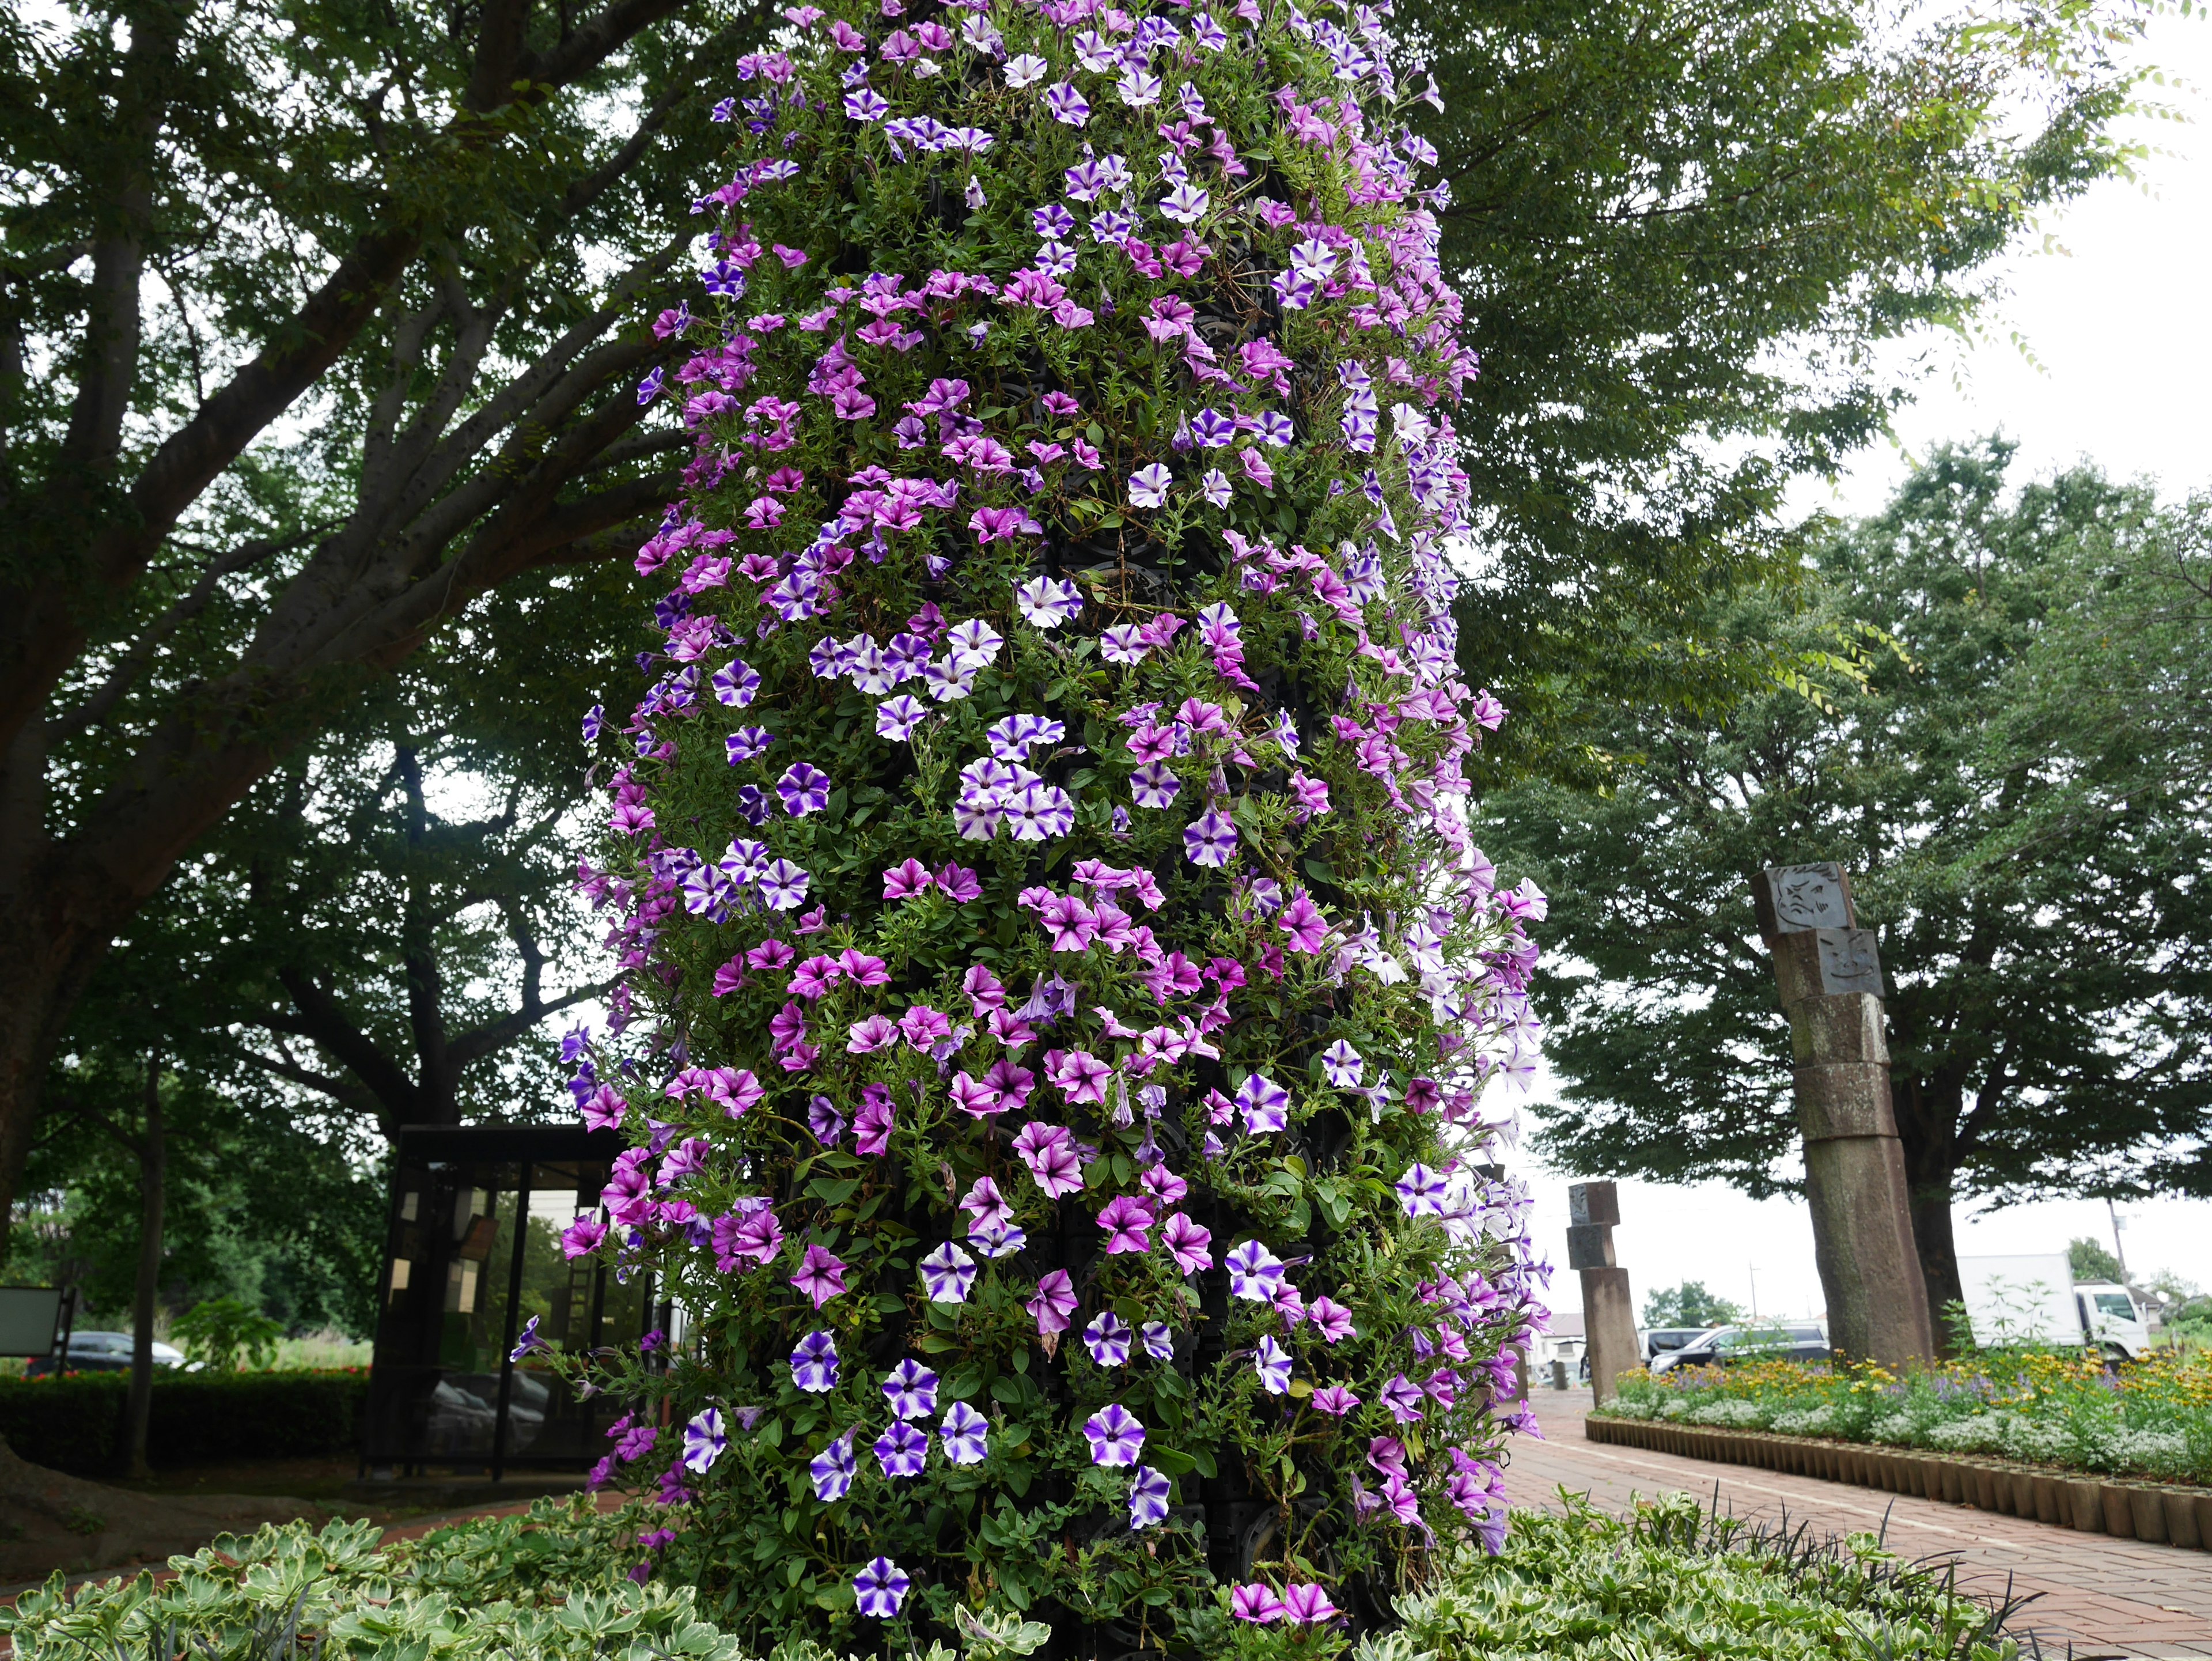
(1053, 947)
(1670, 1581)
(2152, 1417)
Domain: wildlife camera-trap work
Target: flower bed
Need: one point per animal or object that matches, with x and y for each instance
(2151, 1418)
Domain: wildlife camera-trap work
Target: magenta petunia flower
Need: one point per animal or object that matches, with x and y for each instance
(1336, 1401)
(1116, 1436)
(1049, 1153)
(1054, 1303)
(1127, 1221)
(1308, 1605)
(985, 1205)
(1331, 1319)
(1256, 1604)
(1191, 1243)
(821, 1275)
(1305, 922)
(906, 879)
(1081, 1077)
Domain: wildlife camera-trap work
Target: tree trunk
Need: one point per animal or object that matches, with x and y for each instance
(153, 1172)
(1927, 1126)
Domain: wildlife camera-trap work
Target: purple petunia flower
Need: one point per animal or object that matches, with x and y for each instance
(736, 684)
(1272, 1363)
(1148, 1498)
(1148, 486)
(814, 1363)
(1264, 1106)
(902, 1450)
(1159, 1343)
(704, 1439)
(1335, 1401)
(1154, 785)
(1127, 1221)
(1254, 1272)
(1421, 1192)
(1342, 1065)
(1210, 839)
(965, 1434)
(911, 1388)
(803, 789)
(832, 1469)
(1116, 1436)
(948, 1273)
(1403, 1397)
(1107, 1338)
(783, 886)
(1067, 105)
(879, 1588)
(897, 718)
(1186, 204)
(748, 744)
(1048, 603)
(529, 1342)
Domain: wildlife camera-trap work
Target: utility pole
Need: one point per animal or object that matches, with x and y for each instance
(2119, 1251)
(1830, 979)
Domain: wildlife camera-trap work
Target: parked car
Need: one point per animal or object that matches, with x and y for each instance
(103, 1351)
(1730, 1346)
(1657, 1341)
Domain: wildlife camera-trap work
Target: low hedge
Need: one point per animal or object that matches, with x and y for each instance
(75, 1422)
(1669, 1584)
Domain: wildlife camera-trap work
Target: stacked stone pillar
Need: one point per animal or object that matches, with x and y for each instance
(1608, 1313)
(1831, 983)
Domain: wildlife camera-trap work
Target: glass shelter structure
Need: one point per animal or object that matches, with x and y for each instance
(474, 1252)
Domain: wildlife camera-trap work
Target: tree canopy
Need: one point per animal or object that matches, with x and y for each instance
(2032, 875)
(1688, 1304)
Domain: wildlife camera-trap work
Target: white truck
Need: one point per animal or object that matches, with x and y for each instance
(2033, 1298)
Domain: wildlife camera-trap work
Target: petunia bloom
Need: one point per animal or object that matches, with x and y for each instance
(814, 1363)
(1148, 1498)
(879, 1588)
(704, 1440)
(965, 1434)
(948, 1273)
(821, 1275)
(1256, 1604)
(1116, 1436)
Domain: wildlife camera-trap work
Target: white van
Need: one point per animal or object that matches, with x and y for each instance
(2031, 1298)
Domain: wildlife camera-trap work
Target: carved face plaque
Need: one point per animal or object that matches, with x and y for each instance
(1809, 897)
(1848, 961)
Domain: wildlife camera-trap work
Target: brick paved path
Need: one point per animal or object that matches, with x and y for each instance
(2100, 1596)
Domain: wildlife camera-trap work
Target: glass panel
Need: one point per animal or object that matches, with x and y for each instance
(544, 1420)
(2117, 1305)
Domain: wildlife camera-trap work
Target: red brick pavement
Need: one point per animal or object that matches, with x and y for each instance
(2100, 1596)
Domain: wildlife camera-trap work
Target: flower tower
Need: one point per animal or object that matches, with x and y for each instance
(1059, 981)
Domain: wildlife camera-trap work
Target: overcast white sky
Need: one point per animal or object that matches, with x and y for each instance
(2117, 315)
